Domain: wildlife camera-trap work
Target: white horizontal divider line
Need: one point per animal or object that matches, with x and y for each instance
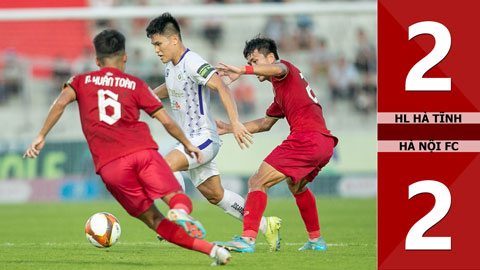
(466, 117)
(427, 146)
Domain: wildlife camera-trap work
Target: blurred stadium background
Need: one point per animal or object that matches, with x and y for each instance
(41, 46)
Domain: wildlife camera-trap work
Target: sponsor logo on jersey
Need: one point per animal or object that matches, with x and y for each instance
(205, 70)
(173, 93)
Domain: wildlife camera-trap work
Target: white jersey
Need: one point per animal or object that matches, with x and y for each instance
(189, 97)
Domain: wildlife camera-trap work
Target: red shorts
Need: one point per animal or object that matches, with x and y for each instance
(302, 155)
(135, 180)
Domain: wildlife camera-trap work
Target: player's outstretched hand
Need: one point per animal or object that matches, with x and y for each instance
(232, 72)
(189, 149)
(34, 149)
(222, 127)
(242, 135)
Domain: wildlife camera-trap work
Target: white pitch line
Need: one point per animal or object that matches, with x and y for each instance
(63, 244)
(328, 244)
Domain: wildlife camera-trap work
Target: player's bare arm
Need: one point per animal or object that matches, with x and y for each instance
(255, 126)
(277, 70)
(239, 131)
(161, 91)
(64, 98)
(174, 130)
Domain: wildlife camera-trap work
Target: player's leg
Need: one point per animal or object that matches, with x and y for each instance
(151, 217)
(175, 234)
(212, 189)
(207, 181)
(179, 228)
(322, 150)
(157, 181)
(265, 177)
(178, 175)
(177, 161)
(231, 202)
(205, 177)
(293, 158)
(178, 200)
(307, 206)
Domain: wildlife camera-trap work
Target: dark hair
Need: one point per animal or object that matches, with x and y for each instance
(164, 25)
(262, 44)
(109, 43)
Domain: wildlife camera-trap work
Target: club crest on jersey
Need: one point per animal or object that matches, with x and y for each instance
(179, 76)
(205, 70)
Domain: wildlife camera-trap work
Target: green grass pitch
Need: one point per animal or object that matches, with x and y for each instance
(51, 236)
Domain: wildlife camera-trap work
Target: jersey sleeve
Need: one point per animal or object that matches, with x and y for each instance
(286, 79)
(148, 101)
(199, 70)
(275, 111)
(74, 83)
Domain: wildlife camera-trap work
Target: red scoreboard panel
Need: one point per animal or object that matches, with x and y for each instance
(428, 134)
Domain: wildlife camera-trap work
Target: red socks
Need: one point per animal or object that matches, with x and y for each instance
(181, 201)
(254, 207)
(308, 210)
(257, 202)
(175, 234)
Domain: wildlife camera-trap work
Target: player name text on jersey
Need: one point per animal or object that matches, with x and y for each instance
(110, 81)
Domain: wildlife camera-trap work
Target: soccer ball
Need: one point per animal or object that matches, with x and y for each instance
(102, 230)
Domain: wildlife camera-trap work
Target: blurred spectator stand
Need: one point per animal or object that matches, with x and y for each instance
(320, 60)
(244, 96)
(342, 78)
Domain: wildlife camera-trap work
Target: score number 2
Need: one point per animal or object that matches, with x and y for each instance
(443, 200)
(415, 82)
(443, 42)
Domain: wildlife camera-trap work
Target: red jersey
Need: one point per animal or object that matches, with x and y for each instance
(295, 100)
(109, 102)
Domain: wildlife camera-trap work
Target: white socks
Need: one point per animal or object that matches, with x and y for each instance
(180, 180)
(263, 225)
(233, 204)
(213, 252)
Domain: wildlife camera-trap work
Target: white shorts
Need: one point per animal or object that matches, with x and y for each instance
(199, 172)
